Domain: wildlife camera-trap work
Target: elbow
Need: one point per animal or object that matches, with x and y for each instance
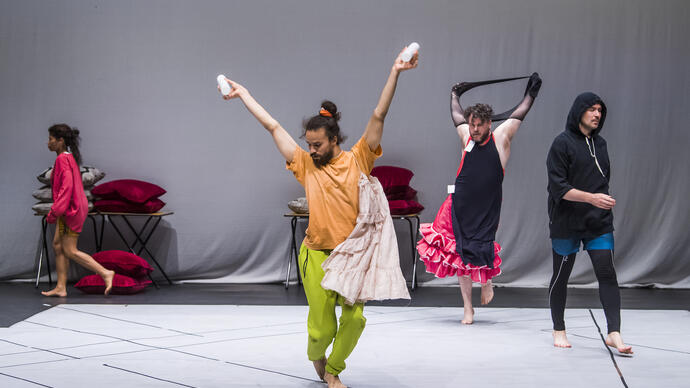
(379, 115)
(272, 126)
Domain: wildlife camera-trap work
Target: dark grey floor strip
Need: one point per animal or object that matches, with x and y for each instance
(28, 381)
(620, 374)
(128, 321)
(149, 376)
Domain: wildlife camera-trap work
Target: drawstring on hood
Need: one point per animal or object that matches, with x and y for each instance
(583, 102)
(570, 166)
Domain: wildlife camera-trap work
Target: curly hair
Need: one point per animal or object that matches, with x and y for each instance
(482, 112)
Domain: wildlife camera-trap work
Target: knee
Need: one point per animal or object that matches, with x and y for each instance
(318, 335)
(57, 247)
(355, 319)
(606, 273)
(70, 252)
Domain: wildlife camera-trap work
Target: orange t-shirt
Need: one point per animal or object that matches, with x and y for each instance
(332, 192)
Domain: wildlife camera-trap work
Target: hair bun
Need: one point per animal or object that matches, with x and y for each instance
(75, 132)
(331, 108)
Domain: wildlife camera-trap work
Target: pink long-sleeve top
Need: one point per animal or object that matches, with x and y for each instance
(69, 199)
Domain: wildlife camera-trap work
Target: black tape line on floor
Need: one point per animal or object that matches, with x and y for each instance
(37, 349)
(149, 376)
(620, 374)
(128, 321)
(172, 349)
(28, 381)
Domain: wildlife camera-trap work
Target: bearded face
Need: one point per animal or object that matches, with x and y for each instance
(479, 129)
(321, 148)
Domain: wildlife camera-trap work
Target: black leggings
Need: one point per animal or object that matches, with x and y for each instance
(602, 260)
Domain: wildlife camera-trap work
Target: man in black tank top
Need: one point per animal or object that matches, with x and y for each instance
(478, 188)
(460, 242)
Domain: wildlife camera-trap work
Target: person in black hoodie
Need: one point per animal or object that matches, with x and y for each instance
(580, 212)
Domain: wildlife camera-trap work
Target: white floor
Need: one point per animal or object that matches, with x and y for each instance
(265, 346)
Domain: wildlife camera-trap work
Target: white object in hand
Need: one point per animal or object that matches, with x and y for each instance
(409, 51)
(223, 84)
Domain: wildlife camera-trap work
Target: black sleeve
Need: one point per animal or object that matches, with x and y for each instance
(557, 164)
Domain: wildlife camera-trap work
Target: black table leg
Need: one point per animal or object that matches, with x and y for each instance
(293, 251)
(44, 251)
(413, 252)
(144, 241)
(95, 232)
(122, 237)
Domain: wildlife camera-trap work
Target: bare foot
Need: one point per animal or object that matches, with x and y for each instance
(333, 381)
(320, 366)
(487, 292)
(58, 292)
(615, 340)
(108, 279)
(560, 340)
(469, 316)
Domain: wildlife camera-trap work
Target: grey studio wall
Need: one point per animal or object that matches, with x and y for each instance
(138, 79)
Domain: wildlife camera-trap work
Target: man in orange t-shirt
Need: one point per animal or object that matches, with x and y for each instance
(330, 178)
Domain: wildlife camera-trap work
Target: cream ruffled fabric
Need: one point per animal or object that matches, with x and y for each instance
(366, 266)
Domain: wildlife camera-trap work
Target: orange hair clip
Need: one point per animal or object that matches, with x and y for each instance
(324, 112)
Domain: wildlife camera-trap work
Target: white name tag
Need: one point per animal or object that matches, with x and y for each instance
(451, 189)
(470, 146)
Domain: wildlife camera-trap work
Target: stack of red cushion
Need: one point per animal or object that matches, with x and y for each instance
(128, 196)
(131, 274)
(396, 185)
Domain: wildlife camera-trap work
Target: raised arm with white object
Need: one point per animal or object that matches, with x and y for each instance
(223, 85)
(409, 51)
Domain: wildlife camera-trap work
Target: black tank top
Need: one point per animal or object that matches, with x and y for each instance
(477, 203)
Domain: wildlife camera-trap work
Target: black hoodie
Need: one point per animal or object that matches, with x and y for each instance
(570, 165)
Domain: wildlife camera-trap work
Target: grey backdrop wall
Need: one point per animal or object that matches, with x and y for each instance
(138, 79)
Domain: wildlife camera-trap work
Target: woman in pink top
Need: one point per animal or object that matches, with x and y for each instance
(69, 209)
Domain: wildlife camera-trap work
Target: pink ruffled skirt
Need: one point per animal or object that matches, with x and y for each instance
(437, 249)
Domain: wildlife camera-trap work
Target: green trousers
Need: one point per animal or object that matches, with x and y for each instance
(322, 325)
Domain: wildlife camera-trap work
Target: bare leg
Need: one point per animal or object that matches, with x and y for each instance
(487, 292)
(69, 244)
(320, 366)
(61, 266)
(333, 381)
(560, 340)
(466, 291)
(615, 340)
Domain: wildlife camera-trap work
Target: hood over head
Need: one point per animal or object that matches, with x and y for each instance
(583, 102)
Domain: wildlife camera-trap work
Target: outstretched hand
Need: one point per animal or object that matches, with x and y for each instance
(533, 85)
(236, 90)
(400, 65)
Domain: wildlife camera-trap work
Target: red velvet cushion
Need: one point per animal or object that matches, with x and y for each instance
(400, 192)
(128, 189)
(123, 263)
(402, 207)
(114, 205)
(122, 285)
(390, 176)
